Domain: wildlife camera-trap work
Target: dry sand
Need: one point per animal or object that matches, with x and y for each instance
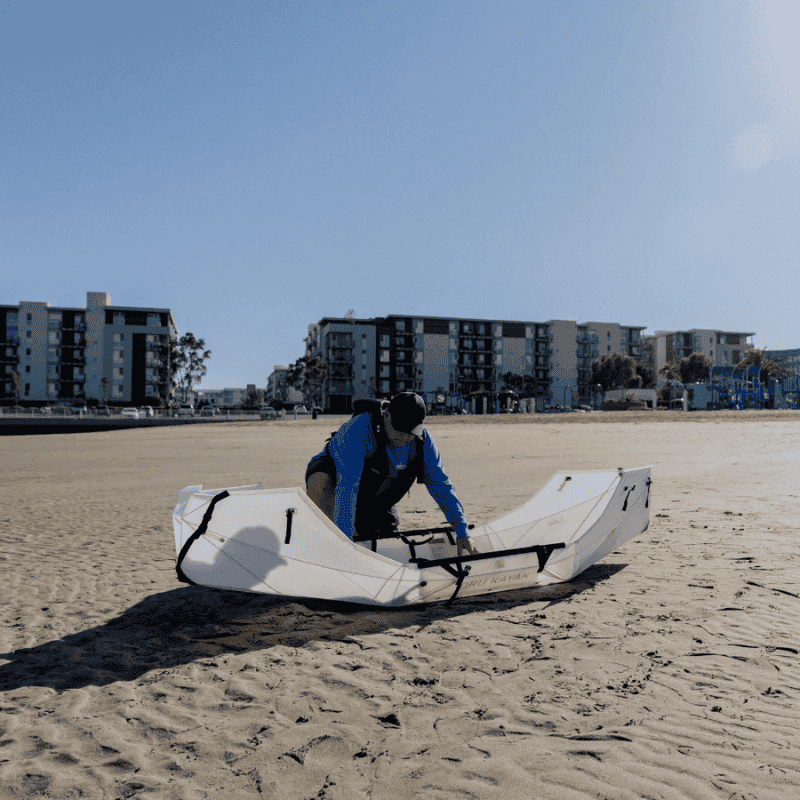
(668, 670)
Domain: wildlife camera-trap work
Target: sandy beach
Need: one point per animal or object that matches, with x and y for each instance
(669, 670)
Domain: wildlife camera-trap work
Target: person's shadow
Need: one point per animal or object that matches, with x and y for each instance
(185, 624)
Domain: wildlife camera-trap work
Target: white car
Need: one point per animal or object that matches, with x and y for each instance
(133, 413)
(147, 411)
(185, 410)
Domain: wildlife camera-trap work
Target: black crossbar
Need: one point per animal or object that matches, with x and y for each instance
(543, 551)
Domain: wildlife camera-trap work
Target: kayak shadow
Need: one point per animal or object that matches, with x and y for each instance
(186, 624)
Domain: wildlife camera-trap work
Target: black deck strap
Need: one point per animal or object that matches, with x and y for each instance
(289, 515)
(647, 499)
(374, 545)
(182, 577)
(629, 490)
(463, 571)
(544, 552)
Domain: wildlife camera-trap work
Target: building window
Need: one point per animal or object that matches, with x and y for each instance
(119, 337)
(27, 334)
(384, 355)
(29, 317)
(27, 368)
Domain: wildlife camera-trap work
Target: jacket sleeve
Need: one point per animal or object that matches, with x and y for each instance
(440, 488)
(349, 448)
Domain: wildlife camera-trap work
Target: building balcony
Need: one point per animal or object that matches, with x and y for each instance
(340, 357)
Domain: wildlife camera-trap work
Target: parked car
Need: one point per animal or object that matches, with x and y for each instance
(208, 411)
(103, 411)
(267, 412)
(131, 413)
(147, 411)
(79, 410)
(299, 410)
(185, 410)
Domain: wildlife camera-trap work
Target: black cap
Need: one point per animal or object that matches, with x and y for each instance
(407, 411)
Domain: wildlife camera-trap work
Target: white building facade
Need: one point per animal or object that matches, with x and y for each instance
(113, 354)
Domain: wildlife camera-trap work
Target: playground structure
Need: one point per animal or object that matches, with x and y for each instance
(742, 388)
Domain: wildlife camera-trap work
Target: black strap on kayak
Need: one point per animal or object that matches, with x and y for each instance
(462, 573)
(289, 515)
(543, 551)
(196, 535)
(629, 490)
(647, 499)
(457, 565)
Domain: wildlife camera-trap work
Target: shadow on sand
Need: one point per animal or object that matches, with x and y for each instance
(183, 625)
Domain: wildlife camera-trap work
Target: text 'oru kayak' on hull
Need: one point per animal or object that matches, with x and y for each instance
(276, 541)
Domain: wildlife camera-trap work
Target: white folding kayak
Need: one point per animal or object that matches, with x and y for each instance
(276, 541)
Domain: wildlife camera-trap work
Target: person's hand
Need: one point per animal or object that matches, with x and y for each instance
(464, 544)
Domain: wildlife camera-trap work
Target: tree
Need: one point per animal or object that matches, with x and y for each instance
(521, 385)
(616, 372)
(670, 371)
(251, 400)
(187, 366)
(648, 379)
(513, 382)
(695, 368)
(309, 374)
(757, 357)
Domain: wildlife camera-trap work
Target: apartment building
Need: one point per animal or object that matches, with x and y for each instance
(723, 348)
(114, 354)
(278, 389)
(788, 359)
(347, 346)
(460, 357)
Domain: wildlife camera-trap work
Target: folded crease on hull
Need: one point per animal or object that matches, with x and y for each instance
(276, 541)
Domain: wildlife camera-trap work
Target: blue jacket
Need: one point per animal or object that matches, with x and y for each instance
(355, 442)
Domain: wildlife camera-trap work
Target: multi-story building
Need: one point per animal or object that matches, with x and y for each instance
(788, 359)
(722, 348)
(114, 354)
(278, 389)
(460, 358)
(347, 346)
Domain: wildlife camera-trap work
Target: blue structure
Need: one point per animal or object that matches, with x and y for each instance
(739, 387)
(742, 388)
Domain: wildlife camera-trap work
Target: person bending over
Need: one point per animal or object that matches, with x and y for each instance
(371, 462)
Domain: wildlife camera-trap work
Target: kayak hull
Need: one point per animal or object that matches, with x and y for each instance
(276, 541)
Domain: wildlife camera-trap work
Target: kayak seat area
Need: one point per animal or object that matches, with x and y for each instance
(430, 547)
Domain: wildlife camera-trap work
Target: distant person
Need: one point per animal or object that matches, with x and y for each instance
(371, 462)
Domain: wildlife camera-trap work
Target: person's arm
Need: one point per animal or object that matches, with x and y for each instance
(349, 448)
(440, 488)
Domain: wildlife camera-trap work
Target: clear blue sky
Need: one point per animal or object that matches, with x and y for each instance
(257, 165)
